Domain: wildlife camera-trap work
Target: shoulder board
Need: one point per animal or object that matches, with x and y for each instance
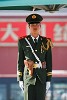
(49, 39)
(42, 37)
(46, 38)
(22, 37)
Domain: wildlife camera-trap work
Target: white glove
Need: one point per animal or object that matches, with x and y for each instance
(21, 85)
(47, 86)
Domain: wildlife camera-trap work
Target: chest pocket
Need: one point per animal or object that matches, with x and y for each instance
(28, 53)
(27, 49)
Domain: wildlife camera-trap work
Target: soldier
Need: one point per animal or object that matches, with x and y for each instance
(34, 61)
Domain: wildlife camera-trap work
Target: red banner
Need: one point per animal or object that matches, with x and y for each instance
(11, 31)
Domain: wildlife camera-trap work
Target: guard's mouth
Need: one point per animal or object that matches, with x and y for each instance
(35, 29)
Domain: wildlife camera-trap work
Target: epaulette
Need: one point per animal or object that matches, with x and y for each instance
(22, 37)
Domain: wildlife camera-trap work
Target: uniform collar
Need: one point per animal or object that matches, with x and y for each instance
(34, 38)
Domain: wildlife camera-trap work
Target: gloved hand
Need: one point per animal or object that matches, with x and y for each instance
(21, 85)
(47, 86)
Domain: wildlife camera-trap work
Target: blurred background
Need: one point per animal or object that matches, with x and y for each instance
(13, 26)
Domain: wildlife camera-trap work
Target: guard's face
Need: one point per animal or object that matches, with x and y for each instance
(35, 28)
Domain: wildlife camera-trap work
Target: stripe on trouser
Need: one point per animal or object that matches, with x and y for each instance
(26, 93)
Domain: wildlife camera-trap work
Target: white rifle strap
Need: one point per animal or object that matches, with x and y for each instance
(34, 52)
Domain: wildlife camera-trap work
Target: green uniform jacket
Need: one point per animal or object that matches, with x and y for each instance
(43, 51)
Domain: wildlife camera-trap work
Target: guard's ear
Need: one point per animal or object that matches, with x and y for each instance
(29, 25)
(40, 24)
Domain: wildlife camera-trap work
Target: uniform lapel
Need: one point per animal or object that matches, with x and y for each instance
(39, 41)
(31, 41)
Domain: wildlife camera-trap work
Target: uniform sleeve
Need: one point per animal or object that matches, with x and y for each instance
(20, 65)
(48, 59)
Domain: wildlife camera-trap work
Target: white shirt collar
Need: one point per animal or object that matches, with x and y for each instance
(34, 38)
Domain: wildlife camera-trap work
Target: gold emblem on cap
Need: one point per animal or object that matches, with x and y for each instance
(33, 16)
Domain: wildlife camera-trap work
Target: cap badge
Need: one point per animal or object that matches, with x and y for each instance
(33, 16)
